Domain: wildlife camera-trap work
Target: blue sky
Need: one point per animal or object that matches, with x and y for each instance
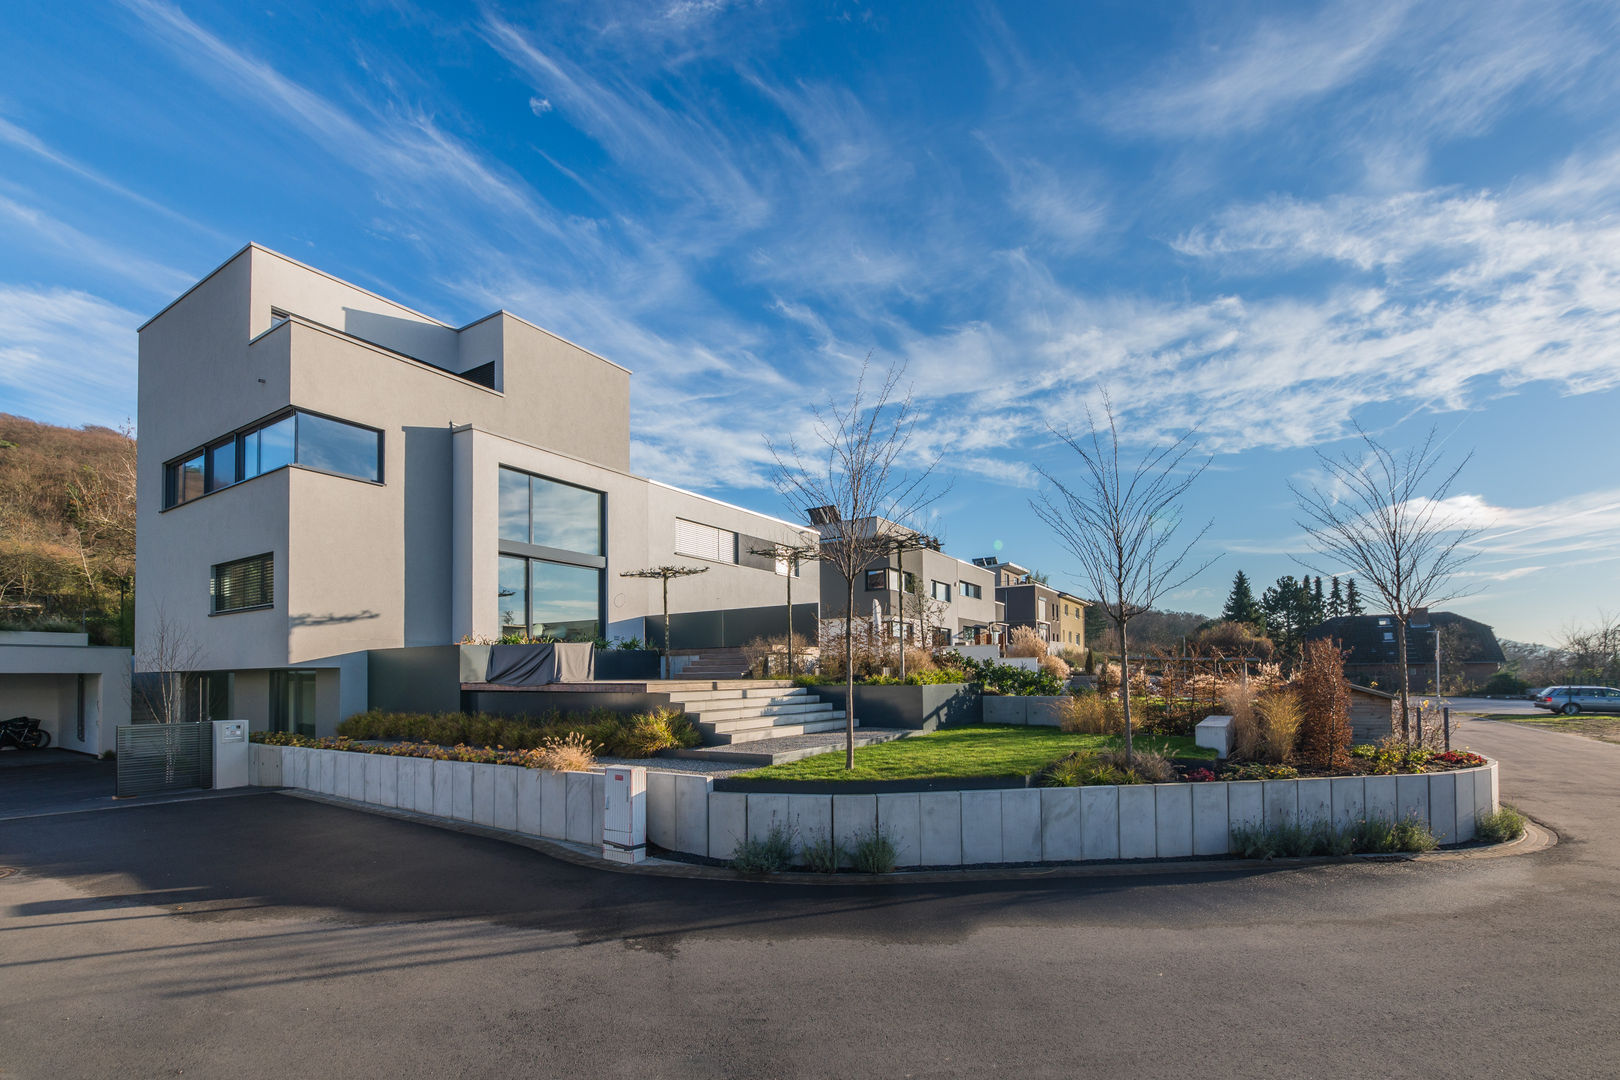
(1269, 220)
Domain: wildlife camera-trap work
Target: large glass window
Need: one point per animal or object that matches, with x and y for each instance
(564, 601)
(548, 513)
(301, 438)
(334, 446)
(292, 702)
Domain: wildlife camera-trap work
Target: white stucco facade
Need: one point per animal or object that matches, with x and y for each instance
(410, 555)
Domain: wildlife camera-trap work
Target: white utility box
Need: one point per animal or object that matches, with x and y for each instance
(1215, 732)
(624, 814)
(232, 753)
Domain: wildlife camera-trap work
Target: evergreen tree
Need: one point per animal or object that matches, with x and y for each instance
(1335, 602)
(1352, 599)
(1318, 600)
(1286, 606)
(1241, 606)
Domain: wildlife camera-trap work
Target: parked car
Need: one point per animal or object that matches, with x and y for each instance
(1570, 700)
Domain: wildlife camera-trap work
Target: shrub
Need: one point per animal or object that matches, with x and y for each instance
(1504, 684)
(1074, 657)
(918, 659)
(1055, 667)
(1392, 754)
(1254, 770)
(1199, 776)
(1280, 717)
(874, 852)
(572, 753)
(1088, 768)
(1323, 694)
(766, 855)
(822, 854)
(1238, 701)
(768, 655)
(1500, 826)
(1091, 714)
(1026, 641)
(1006, 679)
(938, 676)
(661, 729)
(1369, 836)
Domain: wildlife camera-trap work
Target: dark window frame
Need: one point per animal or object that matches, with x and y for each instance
(173, 468)
(267, 584)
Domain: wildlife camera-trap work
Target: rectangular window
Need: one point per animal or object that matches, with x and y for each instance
(292, 702)
(338, 447)
(565, 602)
(243, 584)
(877, 580)
(222, 465)
(567, 517)
(972, 591)
(514, 506)
(514, 595)
(269, 448)
(705, 541)
(786, 567)
(908, 581)
(940, 590)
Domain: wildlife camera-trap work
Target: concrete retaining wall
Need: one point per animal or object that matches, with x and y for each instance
(1026, 709)
(1146, 821)
(532, 802)
(930, 828)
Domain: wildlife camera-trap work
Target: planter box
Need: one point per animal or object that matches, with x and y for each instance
(920, 708)
(627, 663)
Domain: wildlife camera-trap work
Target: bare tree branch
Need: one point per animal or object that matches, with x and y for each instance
(1383, 517)
(856, 487)
(1120, 521)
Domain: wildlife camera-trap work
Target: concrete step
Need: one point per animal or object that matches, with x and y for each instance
(787, 748)
(735, 717)
(774, 731)
(702, 698)
(749, 722)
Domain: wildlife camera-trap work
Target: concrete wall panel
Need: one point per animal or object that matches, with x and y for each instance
(1210, 821)
(900, 818)
(854, 818)
(941, 821)
(1173, 813)
(767, 812)
(1443, 807)
(810, 817)
(1282, 802)
(981, 827)
(661, 808)
(1138, 824)
(553, 804)
(1381, 798)
(1412, 798)
(1099, 822)
(528, 802)
(506, 781)
(728, 822)
(692, 793)
(1245, 805)
(1349, 801)
(1315, 802)
(1020, 825)
(1060, 825)
(577, 796)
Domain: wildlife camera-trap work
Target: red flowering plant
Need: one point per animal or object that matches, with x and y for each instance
(1198, 776)
(1457, 759)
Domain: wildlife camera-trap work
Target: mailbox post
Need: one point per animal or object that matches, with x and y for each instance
(624, 814)
(231, 753)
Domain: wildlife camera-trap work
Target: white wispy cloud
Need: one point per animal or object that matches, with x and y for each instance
(66, 357)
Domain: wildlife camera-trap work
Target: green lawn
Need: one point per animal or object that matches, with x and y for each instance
(978, 750)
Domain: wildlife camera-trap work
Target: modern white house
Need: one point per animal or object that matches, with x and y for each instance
(920, 593)
(324, 472)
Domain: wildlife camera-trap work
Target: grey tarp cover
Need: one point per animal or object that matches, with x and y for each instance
(537, 665)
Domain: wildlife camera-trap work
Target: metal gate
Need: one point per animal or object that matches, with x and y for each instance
(164, 757)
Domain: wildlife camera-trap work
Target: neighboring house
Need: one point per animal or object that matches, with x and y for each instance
(1470, 652)
(79, 691)
(1026, 601)
(1069, 628)
(955, 599)
(325, 472)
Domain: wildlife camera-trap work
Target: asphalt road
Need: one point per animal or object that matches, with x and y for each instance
(272, 936)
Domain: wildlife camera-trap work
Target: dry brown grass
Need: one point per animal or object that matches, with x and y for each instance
(919, 659)
(1091, 714)
(1054, 665)
(1238, 701)
(572, 753)
(1280, 717)
(1025, 641)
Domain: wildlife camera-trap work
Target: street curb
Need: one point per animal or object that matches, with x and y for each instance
(1536, 838)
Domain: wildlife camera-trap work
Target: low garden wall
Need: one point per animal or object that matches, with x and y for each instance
(931, 828)
(920, 708)
(1022, 709)
(531, 802)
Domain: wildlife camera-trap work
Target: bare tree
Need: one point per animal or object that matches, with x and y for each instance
(1119, 521)
(929, 613)
(1383, 516)
(166, 655)
(858, 491)
(663, 574)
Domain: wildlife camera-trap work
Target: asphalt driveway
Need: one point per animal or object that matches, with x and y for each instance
(269, 935)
